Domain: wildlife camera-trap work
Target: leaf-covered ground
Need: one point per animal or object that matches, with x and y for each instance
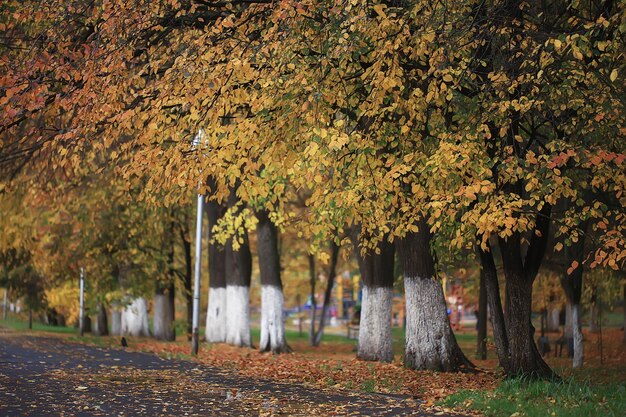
(330, 369)
(333, 364)
(46, 376)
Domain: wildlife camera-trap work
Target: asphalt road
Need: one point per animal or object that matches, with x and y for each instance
(49, 376)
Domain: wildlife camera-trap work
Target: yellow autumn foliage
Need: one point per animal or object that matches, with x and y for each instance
(64, 299)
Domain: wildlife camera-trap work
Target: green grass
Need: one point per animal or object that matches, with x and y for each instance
(613, 318)
(568, 398)
(294, 335)
(18, 323)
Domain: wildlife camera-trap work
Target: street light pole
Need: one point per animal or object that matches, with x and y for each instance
(81, 313)
(195, 335)
(196, 283)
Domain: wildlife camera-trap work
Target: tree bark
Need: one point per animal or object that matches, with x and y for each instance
(116, 322)
(332, 272)
(494, 300)
(481, 325)
(163, 317)
(135, 318)
(553, 319)
(187, 279)
(312, 282)
(102, 325)
(272, 301)
(572, 284)
(430, 342)
(165, 296)
(524, 357)
(577, 361)
(520, 273)
(216, 309)
(238, 277)
(5, 304)
(375, 341)
(594, 324)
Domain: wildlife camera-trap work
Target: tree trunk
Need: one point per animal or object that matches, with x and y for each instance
(312, 282)
(87, 324)
(163, 317)
(30, 319)
(332, 272)
(524, 357)
(624, 305)
(430, 343)
(481, 325)
(102, 325)
(375, 341)
(494, 300)
(135, 318)
(116, 322)
(5, 304)
(216, 310)
(577, 362)
(165, 297)
(272, 301)
(238, 276)
(594, 324)
(188, 280)
(553, 319)
(572, 284)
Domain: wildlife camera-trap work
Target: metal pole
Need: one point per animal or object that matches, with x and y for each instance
(195, 336)
(81, 313)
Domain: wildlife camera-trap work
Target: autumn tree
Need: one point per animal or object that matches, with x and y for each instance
(527, 135)
(216, 317)
(468, 121)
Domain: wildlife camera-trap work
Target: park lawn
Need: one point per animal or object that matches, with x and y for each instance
(597, 389)
(18, 323)
(567, 398)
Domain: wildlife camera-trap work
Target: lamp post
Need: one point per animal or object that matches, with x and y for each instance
(195, 335)
(81, 312)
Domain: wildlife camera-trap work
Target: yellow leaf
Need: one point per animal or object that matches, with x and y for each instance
(613, 75)
(380, 10)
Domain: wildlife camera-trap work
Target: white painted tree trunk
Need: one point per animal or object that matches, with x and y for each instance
(116, 322)
(553, 320)
(216, 316)
(577, 362)
(162, 324)
(272, 325)
(135, 318)
(158, 319)
(375, 342)
(238, 315)
(430, 343)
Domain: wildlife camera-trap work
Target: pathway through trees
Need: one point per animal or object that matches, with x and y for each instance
(42, 376)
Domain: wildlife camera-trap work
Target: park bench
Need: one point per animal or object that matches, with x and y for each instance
(353, 331)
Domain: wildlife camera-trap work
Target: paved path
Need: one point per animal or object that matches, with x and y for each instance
(49, 376)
